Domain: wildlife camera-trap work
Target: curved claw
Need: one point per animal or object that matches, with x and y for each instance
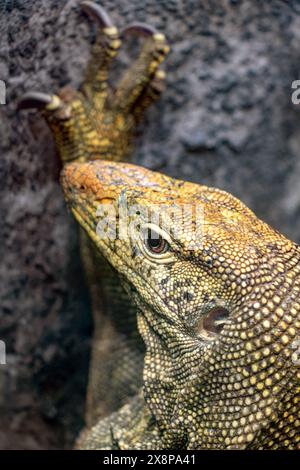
(38, 100)
(97, 13)
(140, 29)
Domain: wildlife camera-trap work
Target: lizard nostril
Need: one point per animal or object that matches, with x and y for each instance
(82, 187)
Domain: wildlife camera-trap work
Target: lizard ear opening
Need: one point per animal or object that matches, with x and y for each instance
(213, 323)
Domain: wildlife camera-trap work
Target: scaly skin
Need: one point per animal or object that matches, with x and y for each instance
(218, 309)
(94, 123)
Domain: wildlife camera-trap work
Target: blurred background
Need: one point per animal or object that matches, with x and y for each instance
(226, 119)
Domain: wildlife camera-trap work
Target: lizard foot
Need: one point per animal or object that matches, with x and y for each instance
(97, 122)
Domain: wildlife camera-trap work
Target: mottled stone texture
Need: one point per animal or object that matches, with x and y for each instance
(226, 119)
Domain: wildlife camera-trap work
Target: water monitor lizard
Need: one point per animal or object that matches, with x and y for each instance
(220, 318)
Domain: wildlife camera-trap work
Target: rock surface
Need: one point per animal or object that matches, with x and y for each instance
(226, 119)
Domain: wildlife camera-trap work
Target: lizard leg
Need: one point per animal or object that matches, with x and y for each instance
(74, 116)
(132, 427)
(138, 88)
(105, 49)
(92, 124)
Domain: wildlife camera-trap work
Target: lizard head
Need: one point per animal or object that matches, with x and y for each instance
(217, 291)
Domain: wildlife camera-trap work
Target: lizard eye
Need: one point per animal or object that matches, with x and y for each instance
(155, 243)
(213, 322)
